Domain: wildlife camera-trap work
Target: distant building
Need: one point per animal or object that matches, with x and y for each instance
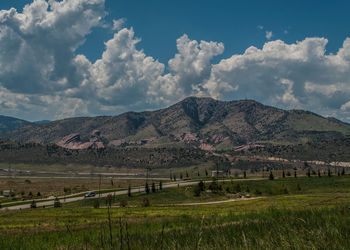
(6, 193)
(215, 173)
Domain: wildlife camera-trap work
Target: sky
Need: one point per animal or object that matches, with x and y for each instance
(71, 58)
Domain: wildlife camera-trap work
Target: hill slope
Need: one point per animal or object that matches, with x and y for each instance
(9, 123)
(200, 122)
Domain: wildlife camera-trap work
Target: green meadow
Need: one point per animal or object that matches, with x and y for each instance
(289, 213)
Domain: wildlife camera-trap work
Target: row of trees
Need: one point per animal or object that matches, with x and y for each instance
(309, 173)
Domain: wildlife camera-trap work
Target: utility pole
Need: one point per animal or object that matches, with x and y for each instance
(99, 188)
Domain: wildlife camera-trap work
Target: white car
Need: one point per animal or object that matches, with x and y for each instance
(90, 194)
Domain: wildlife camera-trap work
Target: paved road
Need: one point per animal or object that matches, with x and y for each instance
(133, 190)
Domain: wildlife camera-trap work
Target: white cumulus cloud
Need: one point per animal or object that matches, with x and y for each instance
(43, 77)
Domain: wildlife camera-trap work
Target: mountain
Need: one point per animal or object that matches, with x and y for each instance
(41, 122)
(199, 122)
(9, 123)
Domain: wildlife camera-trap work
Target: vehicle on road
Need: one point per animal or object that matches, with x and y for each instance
(90, 194)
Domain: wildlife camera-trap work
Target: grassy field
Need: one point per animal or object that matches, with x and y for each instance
(291, 213)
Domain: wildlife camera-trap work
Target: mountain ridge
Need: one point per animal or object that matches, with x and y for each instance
(198, 122)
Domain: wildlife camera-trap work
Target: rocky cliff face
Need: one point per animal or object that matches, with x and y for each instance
(73, 141)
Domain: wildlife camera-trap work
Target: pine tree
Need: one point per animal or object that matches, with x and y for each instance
(147, 188)
(329, 173)
(283, 174)
(343, 171)
(153, 187)
(160, 185)
(245, 174)
(319, 173)
(295, 174)
(129, 191)
(271, 177)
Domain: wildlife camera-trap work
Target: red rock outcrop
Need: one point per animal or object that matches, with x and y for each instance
(73, 141)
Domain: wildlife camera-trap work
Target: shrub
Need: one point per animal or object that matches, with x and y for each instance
(271, 177)
(201, 185)
(238, 188)
(258, 192)
(197, 190)
(109, 200)
(67, 190)
(57, 203)
(153, 187)
(38, 194)
(96, 203)
(33, 204)
(214, 186)
(123, 203)
(145, 202)
(160, 185)
(28, 181)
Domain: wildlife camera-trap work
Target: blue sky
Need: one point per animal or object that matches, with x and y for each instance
(235, 23)
(71, 77)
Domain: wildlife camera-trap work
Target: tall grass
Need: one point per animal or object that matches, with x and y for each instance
(326, 228)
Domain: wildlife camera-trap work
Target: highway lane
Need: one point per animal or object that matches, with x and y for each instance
(133, 190)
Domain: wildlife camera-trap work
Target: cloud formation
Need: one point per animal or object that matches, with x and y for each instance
(299, 75)
(42, 76)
